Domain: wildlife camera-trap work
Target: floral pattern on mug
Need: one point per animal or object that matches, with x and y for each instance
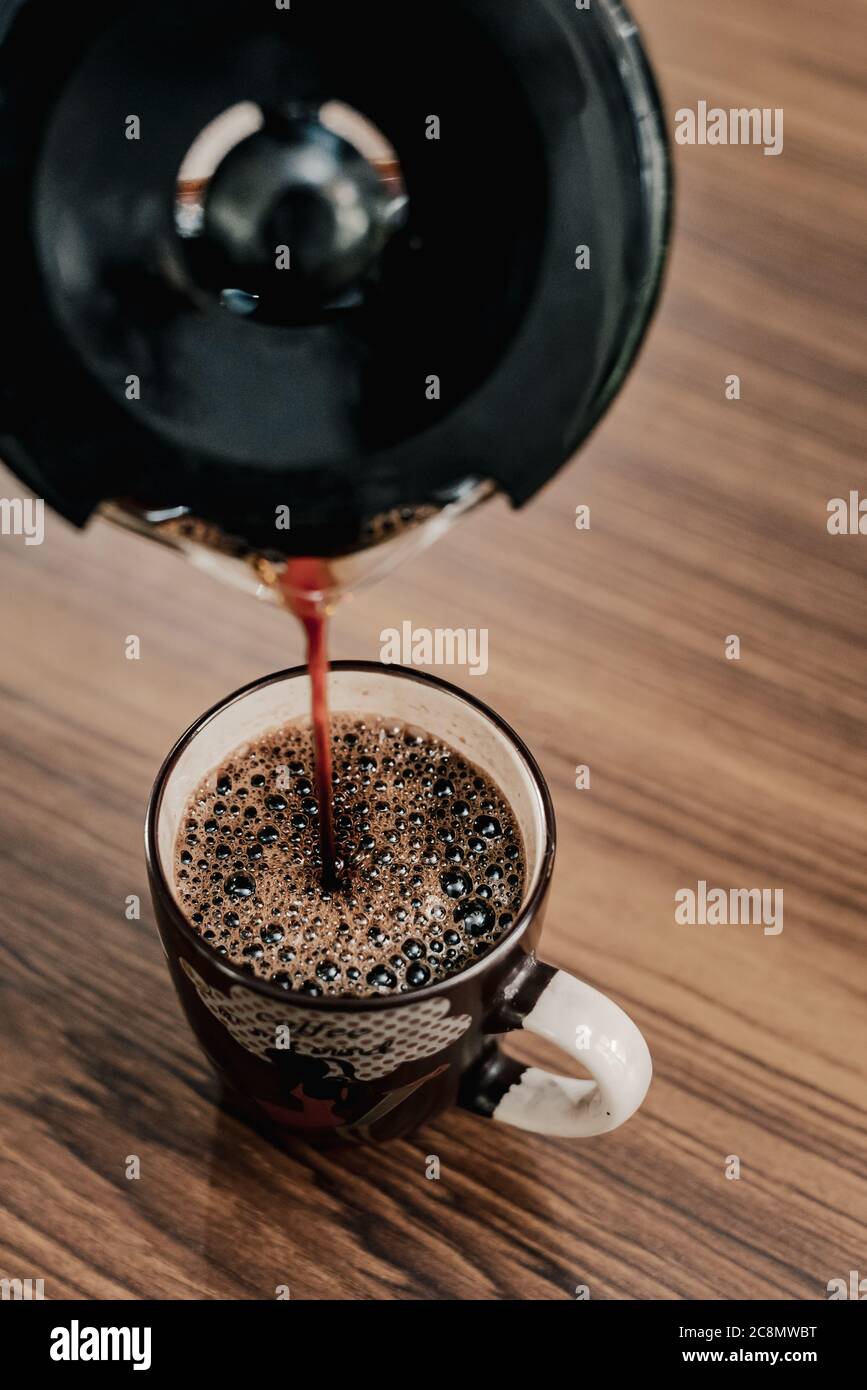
(361, 1046)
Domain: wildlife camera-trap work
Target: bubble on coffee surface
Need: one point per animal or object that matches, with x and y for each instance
(430, 861)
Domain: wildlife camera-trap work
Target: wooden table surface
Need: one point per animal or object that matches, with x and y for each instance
(607, 649)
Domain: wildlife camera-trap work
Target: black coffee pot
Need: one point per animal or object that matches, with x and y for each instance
(416, 270)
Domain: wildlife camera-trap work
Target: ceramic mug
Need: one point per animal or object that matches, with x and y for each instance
(375, 1068)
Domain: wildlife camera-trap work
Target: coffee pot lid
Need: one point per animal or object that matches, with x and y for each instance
(470, 316)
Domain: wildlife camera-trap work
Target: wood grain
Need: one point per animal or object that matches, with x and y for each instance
(607, 648)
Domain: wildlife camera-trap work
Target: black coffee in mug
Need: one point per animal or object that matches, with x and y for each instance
(369, 1025)
(430, 865)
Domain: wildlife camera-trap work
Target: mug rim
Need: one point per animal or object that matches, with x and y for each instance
(232, 974)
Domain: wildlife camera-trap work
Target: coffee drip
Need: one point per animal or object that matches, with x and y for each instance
(306, 584)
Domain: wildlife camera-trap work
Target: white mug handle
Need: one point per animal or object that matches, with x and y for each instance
(586, 1025)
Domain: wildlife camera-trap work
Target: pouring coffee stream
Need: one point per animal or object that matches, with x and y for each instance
(306, 584)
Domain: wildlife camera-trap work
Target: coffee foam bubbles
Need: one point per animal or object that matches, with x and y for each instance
(431, 863)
